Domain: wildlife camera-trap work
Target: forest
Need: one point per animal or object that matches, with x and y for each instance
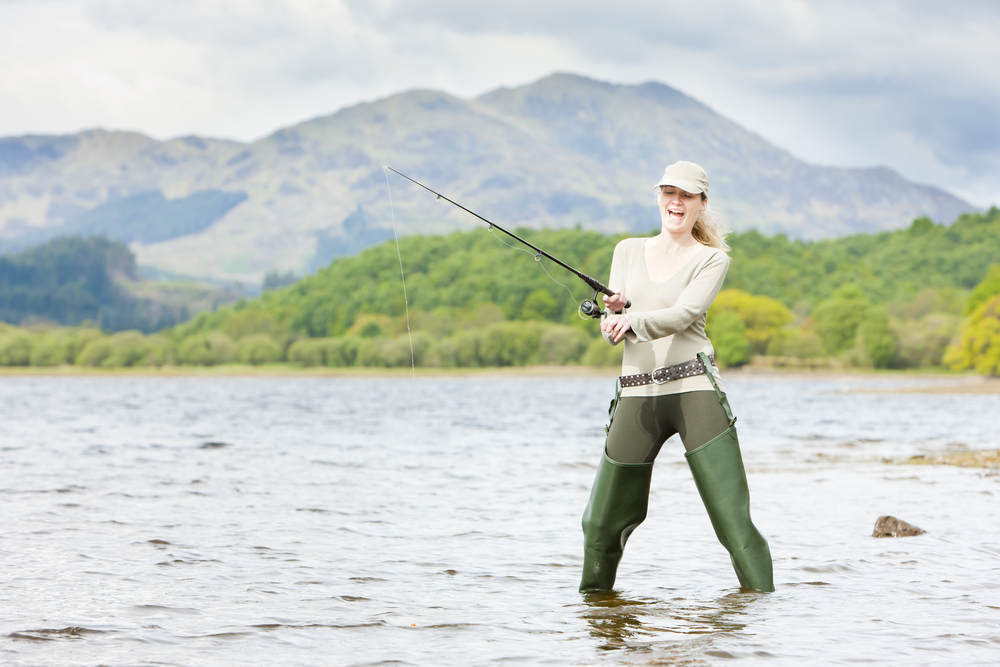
(72, 280)
(922, 297)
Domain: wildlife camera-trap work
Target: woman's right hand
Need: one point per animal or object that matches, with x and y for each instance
(615, 326)
(615, 303)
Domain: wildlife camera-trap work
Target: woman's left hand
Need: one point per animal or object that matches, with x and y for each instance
(616, 325)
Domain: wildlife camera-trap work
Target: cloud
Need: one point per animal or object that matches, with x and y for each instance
(906, 83)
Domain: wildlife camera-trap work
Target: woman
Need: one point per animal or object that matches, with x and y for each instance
(671, 280)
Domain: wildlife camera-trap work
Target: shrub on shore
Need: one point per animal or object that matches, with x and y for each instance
(847, 327)
(308, 352)
(50, 349)
(257, 349)
(979, 345)
(206, 349)
(15, 348)
(95, 352)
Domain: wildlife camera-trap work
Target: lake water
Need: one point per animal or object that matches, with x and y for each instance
(347, 521)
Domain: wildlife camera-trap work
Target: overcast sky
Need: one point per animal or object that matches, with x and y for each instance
(911, 84)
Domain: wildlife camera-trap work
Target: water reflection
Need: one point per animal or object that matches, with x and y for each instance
(614, 618)
(678, 626)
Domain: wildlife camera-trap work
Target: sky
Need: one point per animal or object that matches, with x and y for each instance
(909, 84)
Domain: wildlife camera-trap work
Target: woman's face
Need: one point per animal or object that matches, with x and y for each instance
(679, 209)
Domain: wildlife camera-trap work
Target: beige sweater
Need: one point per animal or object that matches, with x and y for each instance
(667, 319)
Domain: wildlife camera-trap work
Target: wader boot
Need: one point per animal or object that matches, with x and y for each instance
(717, 467)
(618, 502)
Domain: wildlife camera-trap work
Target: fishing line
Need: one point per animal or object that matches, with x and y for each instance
(588, 307)
(538, 258)
(406, 304)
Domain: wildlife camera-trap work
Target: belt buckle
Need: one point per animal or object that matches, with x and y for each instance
(666, 375)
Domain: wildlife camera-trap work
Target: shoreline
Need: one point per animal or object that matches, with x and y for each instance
(285, 370)
(941, 382)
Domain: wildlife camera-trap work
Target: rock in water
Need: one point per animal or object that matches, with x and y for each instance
(890, 526)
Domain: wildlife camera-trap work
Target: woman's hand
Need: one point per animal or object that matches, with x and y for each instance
(616, 325)
(616, 303)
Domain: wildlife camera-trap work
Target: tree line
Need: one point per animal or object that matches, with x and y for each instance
(73, 279)
(915, 298)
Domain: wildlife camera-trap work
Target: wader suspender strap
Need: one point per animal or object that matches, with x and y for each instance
(613, 408)
(722, 397)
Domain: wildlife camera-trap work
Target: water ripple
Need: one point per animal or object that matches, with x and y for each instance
(347, 521)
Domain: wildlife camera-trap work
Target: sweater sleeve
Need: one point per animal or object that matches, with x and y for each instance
(617, 283)
(693, 302)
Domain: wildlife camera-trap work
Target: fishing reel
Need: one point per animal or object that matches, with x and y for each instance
(591, 309)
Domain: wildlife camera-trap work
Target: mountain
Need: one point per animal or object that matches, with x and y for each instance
(561, 152)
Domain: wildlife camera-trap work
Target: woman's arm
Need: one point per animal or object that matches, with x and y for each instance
(692, 303)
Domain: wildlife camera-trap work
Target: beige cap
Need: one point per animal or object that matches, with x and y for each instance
(687, 176)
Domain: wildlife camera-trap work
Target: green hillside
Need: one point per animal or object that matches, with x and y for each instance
(68, 280)
(73, 280)
(890, 267)
(888, 300)
(464, 270)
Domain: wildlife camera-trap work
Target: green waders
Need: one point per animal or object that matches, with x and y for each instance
(620, 496)
(717, 468)
(618, 502)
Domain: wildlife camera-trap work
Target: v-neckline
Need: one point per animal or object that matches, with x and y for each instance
(676, 273)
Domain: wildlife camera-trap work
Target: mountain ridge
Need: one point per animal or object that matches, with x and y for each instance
(563, 151)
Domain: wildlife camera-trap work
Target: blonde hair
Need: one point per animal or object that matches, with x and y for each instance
(709, 230)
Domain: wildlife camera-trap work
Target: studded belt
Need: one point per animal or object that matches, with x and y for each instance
(667, 373)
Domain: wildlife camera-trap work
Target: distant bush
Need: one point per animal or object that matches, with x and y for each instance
(342, 351)
(601, 353)
(206, 349)
(728, 334)
(561, 345)
(463, 349)
(509, 343)
(984, 291)
(369, 352)
(397, 352)
(838, 318)
(308, 352)
(257, 349)
(15, 348)
(795, 343)
(245, 323)
(876, 338)
(132, 348)
(162, 350)
(95, 352)
(540, 305)
(979, 346)
(763, 317)
(427, 350)
(922, 343)
(49, 349)
(78, 340)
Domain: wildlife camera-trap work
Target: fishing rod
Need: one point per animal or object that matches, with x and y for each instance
(589, 307)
